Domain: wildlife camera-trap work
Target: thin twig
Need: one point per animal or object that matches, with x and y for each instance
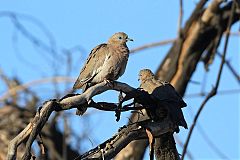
(25, 86)
(222, 92)
(180, 143)
(210, 143)
(230, 67)
(213, 92)
(48, 48)
(65, 137)
(208, 140)
(41, 146)
(151, 45)
(180, 18)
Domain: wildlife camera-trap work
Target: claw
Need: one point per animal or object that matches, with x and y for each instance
(109, 82)
(120, 97)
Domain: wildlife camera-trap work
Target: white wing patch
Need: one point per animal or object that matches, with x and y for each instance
(106, 58)
(104, 63)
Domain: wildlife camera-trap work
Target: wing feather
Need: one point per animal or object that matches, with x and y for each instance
(94, 61)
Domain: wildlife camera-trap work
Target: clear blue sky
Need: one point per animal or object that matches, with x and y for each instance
(88, 23)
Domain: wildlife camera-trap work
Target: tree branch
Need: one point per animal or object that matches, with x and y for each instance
(25, 86)
(180, 18)
(75, 101)
(150, 45)
(213, 92)
(230, 67)
(127, 134)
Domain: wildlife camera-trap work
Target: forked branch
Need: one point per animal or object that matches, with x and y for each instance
(83, 100)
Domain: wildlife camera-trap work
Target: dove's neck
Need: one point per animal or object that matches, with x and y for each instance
(116, 45)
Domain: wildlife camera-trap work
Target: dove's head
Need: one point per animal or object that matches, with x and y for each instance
(119, 38)
(145, 74)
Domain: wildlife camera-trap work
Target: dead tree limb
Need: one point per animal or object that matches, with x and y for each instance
(150, 45)
(214, 90)
(68, 102)
(230, 67)
(128, 133)
(25, 86)
(200, 30)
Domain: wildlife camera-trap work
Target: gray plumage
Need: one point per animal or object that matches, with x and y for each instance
(106, 62)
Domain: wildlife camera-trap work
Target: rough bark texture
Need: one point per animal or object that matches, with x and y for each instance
(165, 147)
(202, 32)
(112, 146)
(131, 151)
(17, 119)
(126, 134)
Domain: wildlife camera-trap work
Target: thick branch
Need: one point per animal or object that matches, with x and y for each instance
(181, 61)
(199, 32)
(68, 102)
(128, 133)
(213, 92)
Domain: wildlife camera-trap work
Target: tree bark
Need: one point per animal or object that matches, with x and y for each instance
(202, 32)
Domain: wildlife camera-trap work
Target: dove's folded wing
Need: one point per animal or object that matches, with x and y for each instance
(92, 66)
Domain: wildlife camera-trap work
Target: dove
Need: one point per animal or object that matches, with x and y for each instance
(169, 100)
(106, 62)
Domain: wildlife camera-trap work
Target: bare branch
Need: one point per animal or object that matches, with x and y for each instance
(220, 92)
(230, 67)
(180, 143)
(50, 48)
(215, 88)
(127, 134)
(181, 61)
(180, 18)
(210, 143)
(68, 102)
(23, 87)
(151, 45)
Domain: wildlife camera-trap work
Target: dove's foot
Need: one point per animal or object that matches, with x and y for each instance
(120, 97)
(109, 83)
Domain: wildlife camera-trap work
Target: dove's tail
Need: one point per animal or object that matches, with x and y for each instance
(177, 116)
(78, 84)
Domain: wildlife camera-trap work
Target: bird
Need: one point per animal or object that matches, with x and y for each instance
(169, 100)
(106, 62)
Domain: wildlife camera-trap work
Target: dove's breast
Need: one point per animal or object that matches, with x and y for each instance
(114, 64)
(122, 59)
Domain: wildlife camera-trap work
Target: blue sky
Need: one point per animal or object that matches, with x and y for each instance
(88, 23)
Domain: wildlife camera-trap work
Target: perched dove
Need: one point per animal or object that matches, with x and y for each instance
(105, 62)
(170, 101)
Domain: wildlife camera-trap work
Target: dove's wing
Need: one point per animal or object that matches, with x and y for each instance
(91, 67)
(166, 91)
(170, 98)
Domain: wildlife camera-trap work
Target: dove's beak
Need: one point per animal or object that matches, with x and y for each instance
(129, 39)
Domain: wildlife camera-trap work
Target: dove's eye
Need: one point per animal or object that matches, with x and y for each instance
(119, 37)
